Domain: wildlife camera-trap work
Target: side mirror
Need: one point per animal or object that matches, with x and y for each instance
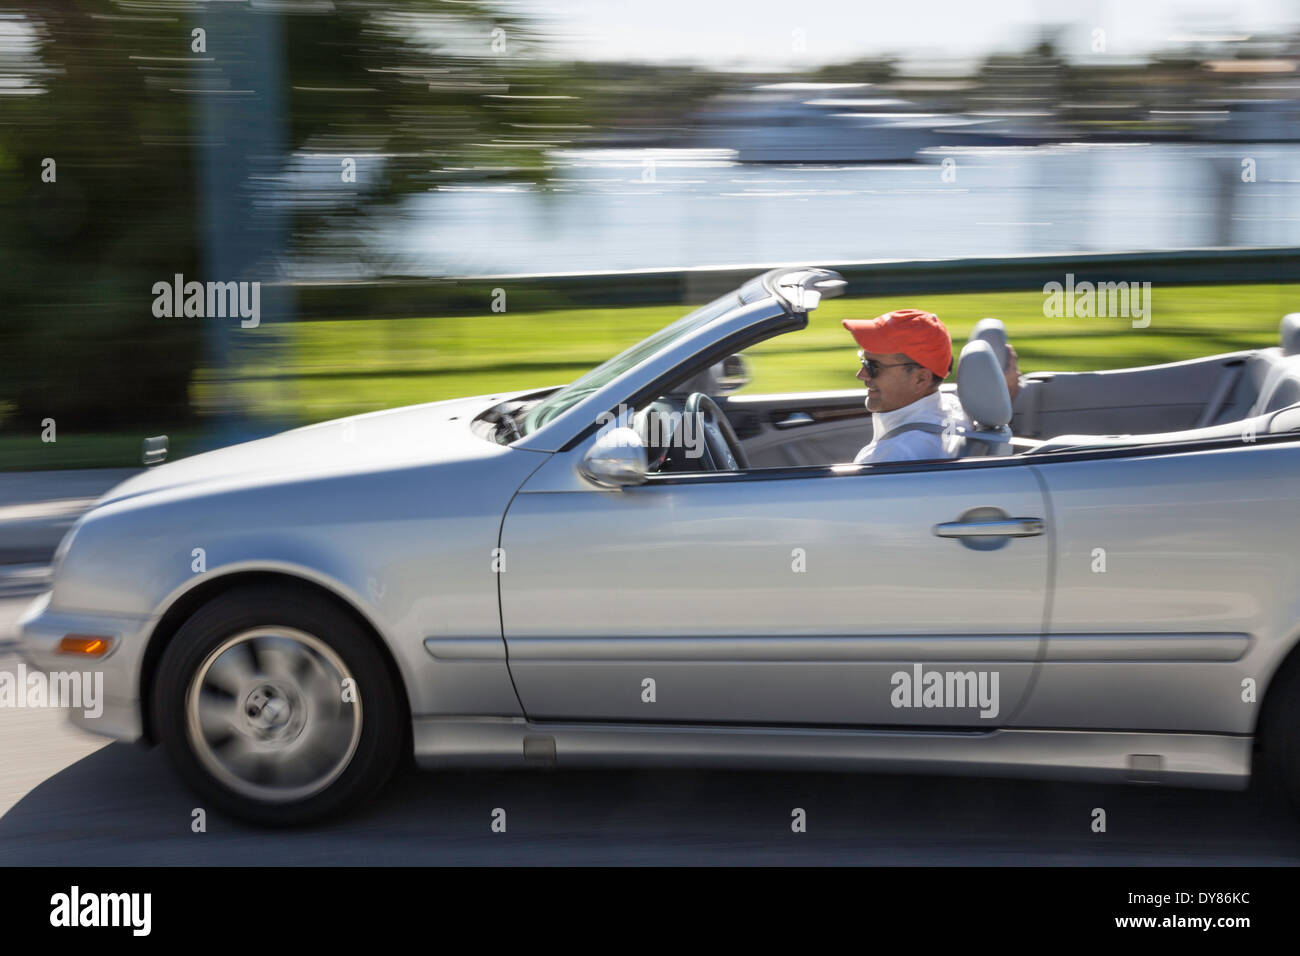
(155, 450)
(732, 373)
(616, 460)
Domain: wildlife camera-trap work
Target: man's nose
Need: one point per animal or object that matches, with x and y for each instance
(862, 374)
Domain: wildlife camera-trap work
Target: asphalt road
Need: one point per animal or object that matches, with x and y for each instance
(38, 507)
(68, 798)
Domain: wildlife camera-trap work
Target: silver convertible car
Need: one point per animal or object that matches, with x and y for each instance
(649, 567)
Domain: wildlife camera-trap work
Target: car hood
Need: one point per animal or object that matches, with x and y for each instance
(418, 435)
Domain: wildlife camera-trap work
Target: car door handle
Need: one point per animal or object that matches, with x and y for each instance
(794, 418)
(1002, 527)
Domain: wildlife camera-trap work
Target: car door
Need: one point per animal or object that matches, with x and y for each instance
(1175, 597)
(834, 596)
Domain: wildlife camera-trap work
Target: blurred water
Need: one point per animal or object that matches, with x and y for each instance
(659, 208)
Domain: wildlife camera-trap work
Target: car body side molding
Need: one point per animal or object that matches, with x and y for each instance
(1210, 761)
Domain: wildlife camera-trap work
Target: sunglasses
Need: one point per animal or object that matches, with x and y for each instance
(872, 367)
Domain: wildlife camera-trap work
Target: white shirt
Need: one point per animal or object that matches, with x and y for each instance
(938, 408)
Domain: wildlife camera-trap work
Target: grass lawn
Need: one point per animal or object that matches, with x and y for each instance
(328, 369)
(341, 367)
(87, 450)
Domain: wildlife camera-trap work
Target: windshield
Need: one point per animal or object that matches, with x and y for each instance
(603, 374)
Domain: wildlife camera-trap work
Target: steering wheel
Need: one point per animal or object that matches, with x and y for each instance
(722, 450)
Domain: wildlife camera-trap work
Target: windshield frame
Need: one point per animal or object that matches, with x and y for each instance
(776, 301)
(702, 338)
(566, 397)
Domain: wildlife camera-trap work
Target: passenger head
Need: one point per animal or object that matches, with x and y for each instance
(1012, 371)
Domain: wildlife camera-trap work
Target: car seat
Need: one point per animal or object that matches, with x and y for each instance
(982, 391)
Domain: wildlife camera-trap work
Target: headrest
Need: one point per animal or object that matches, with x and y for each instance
(994, 333)
(1290, 333)
(982, 386)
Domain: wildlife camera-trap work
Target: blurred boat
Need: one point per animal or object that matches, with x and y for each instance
(817, 122)
(835, 123)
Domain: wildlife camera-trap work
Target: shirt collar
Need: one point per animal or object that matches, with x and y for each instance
(927, 408)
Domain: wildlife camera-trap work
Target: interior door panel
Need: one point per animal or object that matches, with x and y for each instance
(817, 428)
(1140, 401)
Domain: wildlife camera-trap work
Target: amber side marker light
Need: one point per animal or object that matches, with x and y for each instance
(87, 645)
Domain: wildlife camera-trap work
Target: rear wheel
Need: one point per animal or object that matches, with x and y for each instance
(277, 708)
(1279, 735)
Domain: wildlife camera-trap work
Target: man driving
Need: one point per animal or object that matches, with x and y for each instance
(905, 355)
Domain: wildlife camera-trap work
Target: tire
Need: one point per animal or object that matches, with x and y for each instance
(252, 708)
(1279, 736)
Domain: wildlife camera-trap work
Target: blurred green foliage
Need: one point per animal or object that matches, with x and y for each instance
(104, 90)
(78, 255)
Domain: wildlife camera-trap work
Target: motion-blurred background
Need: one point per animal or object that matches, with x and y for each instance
(450, 198)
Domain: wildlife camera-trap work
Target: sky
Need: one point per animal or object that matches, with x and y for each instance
(781, 34)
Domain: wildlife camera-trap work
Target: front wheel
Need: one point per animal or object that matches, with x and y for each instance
(276, 708)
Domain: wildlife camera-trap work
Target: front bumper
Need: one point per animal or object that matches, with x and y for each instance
(39, 633)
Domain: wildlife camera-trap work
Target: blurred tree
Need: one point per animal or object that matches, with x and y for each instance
(97, 197)
(880, 70)
(416, 91)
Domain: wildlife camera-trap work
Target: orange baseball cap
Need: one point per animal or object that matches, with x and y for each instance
(918, 335)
